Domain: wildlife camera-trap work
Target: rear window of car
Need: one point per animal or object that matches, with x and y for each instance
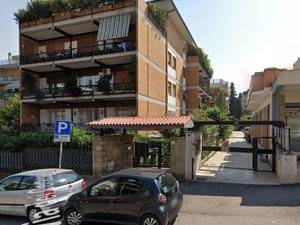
(64, 178)
(167, 183)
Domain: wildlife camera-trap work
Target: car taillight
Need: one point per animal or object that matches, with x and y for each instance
(48, 194)
(162, 199)
(83, 184)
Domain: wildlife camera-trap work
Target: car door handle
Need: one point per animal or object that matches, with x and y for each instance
(70, 186)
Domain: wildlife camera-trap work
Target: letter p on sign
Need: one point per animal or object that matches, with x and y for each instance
(62, 126)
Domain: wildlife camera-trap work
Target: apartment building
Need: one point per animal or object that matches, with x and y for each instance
(106, 61)
(9, 77)
(274, 94)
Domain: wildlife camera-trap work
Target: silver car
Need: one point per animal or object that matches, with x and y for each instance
(31, 192)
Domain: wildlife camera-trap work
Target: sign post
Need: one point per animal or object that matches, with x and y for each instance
(62, 133)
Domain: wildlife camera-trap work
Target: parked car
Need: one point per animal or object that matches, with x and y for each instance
(132, 196)
(31, 192)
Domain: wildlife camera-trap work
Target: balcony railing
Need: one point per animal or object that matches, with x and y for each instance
(73, 53)
(82, 90)
(7, 94)
(9, 62)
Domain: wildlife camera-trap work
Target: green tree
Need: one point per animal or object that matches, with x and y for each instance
(10, 113)
(235, 104)
(217, 114)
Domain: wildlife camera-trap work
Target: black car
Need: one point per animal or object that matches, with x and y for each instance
(132, 196)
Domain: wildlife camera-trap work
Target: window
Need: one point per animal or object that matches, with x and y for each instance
(174, 90)
(184, 96)
(174, 62)
(105, 188)
(167, 183)
(10, 184)
(169, 88)
(42, 49)
(65, 178)
(128, 186)
(169, 58)
(28, 183)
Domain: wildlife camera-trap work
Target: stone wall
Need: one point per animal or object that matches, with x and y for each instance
(111, 153)
(178, 156)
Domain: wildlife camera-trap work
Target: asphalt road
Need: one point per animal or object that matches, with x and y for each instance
(231, 204)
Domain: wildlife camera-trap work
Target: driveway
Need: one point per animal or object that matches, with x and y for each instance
(235, 167)
(239, 204)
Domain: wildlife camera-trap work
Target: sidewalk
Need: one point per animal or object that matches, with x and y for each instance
(235, 167)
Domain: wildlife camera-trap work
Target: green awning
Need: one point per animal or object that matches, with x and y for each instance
(113, 27)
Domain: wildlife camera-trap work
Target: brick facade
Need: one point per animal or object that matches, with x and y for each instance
(152, 76)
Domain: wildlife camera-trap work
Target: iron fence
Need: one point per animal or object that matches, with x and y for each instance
(36, 157)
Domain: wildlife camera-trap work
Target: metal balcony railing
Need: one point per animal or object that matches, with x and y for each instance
(73, 53)
(82, 90)
(8, 62)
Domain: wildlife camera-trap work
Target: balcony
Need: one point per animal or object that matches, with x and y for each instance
(81, 93)
(87, 53)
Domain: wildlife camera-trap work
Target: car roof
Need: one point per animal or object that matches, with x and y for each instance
(42, 172)
(140, 172)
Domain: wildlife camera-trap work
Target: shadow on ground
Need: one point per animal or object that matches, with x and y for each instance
(251, 195)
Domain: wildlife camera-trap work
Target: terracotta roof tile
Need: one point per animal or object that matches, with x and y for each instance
(142, 122)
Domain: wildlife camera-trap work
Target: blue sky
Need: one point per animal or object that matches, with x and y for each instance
(240, 36)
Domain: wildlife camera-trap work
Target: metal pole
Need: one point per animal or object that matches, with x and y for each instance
(60, 154)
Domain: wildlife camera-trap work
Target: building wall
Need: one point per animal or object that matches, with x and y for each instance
(264, 79)
(193, 79)
(151, 66)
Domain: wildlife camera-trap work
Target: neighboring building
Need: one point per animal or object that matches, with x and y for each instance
(275, 95)
(217, 87)
(105, 62)
(219, 84)
(9, 77)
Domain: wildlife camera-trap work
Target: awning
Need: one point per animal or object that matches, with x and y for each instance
(143, 123)
(113, 27)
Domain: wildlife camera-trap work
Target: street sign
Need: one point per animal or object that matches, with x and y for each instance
(62, 131)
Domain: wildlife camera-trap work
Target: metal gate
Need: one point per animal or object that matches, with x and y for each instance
(152, 154)
(260, 156)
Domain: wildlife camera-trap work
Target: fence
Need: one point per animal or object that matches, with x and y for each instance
(36, 157)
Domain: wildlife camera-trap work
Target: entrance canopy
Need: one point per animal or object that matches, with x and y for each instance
(143, 123)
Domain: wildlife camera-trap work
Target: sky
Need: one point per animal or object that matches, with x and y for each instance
(241, 37)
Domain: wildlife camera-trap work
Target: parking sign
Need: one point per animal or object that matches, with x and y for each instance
(62, 131)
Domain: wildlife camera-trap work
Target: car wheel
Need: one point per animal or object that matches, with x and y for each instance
(73, 217)
(150, 220)
(31, 212)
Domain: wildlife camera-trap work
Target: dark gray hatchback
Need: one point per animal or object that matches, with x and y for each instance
(133, 196)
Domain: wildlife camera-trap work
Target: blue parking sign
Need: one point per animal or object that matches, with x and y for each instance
(62, 131)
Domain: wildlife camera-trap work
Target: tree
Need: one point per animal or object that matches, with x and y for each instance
(235, 105)
(10, 113)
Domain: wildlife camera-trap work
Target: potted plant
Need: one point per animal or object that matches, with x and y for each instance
(39, 94)
(71, 87)
(103, 85)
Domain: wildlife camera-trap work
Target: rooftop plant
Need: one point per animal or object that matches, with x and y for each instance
(159, 16)
(203, 58)
(38, 9)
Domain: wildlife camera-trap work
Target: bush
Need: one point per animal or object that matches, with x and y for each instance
(159, 15)
(10, 114)
(18, 142)
(211, 133)
(37, 9)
